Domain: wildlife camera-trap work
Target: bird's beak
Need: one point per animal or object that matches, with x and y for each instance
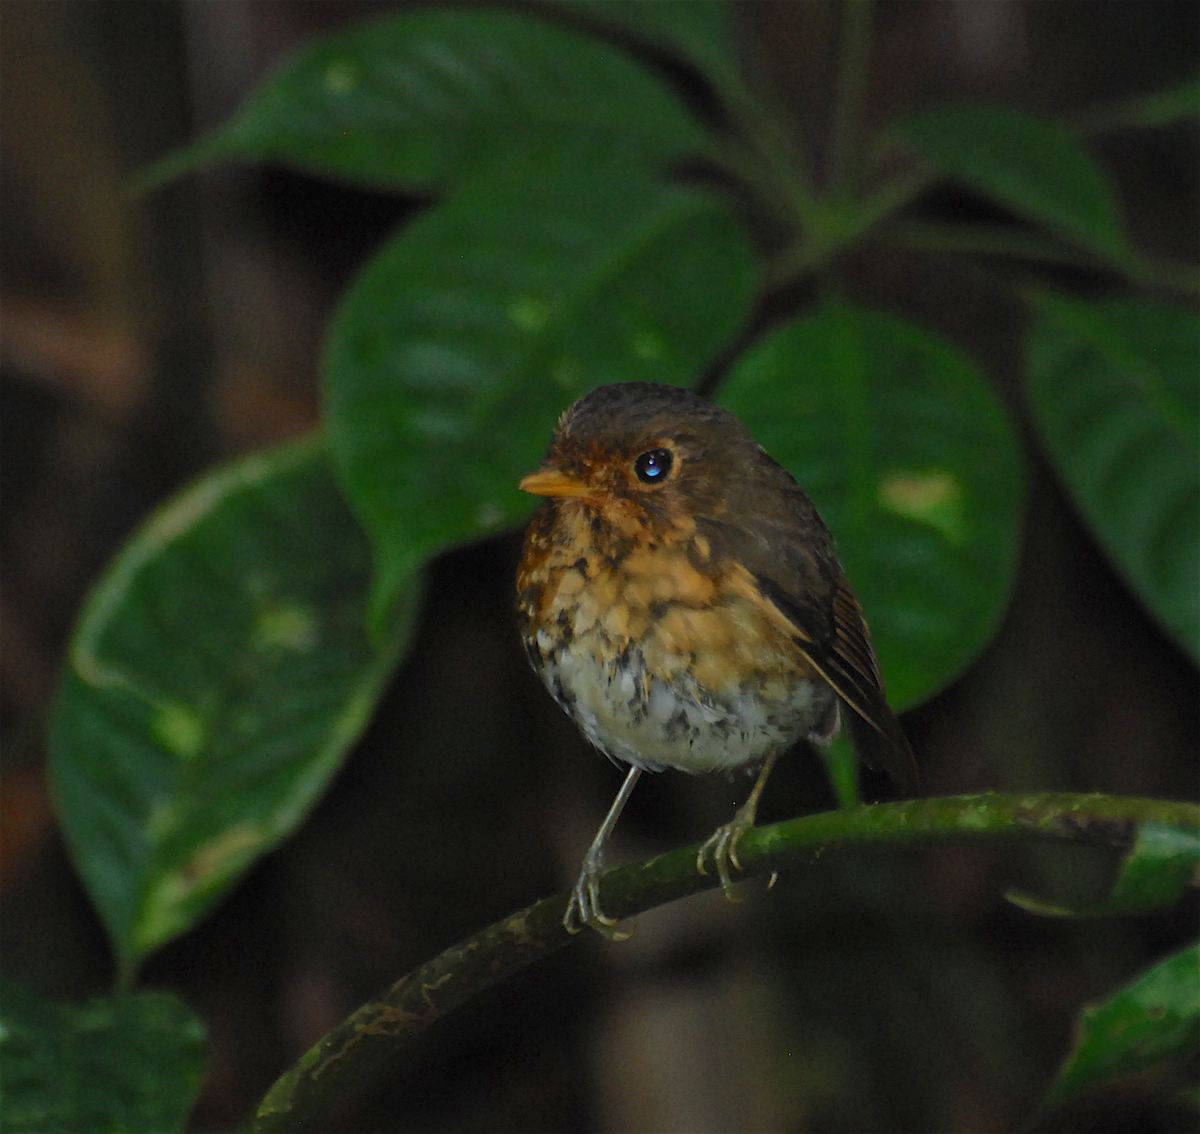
(553, 482)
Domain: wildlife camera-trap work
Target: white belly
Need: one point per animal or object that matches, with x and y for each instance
(673, 723)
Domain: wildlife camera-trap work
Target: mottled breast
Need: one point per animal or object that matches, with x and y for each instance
(664, 657)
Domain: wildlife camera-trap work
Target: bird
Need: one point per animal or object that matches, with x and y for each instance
(682, 601)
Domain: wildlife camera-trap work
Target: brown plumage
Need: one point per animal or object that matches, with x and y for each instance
(681, 599)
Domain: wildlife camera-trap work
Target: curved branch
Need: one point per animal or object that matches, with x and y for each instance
(351, 1055)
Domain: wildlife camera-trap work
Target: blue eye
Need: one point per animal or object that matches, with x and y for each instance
(654, 467)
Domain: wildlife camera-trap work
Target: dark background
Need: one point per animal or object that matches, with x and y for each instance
(145, 339)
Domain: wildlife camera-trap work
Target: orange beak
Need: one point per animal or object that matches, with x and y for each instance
(553, 482)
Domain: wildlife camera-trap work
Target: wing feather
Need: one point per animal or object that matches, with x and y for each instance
(846, 659)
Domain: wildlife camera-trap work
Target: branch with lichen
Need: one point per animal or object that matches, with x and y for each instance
(350, 1056)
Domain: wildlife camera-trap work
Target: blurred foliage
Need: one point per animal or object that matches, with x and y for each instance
(1037, 169)
(131, 1063)
(218, 675)
(1116, 395)
(1161, 865)
(587, 227)
(1153, 1019)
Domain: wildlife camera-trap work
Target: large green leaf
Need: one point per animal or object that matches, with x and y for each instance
(129, 1064)
(218, 675)
(913, 465)
(1117, 400)
(1153, 1018)
(418, 100)
(458, 346)
(1036, 168)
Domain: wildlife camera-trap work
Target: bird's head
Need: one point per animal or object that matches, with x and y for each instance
(645, 454)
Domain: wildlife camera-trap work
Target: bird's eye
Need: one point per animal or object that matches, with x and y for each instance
(654, 466)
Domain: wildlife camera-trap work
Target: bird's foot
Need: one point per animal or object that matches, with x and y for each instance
(584, 906)
(722, 847)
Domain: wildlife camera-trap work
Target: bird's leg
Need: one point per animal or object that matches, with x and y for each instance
(584, 906)
(723, 843)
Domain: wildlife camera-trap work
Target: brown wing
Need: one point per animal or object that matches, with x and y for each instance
(789, 553)
(852, 669)
(841, 651)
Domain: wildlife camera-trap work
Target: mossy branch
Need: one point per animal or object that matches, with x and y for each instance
(353, 1053)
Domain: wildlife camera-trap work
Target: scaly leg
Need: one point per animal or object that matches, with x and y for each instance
(584, 906)
(723, 843)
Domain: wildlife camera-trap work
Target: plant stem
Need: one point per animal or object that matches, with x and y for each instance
(839, 228)
(853, 58)
(349, 1056)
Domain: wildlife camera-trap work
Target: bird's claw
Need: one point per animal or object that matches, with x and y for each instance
(722, 846)
(584, 909)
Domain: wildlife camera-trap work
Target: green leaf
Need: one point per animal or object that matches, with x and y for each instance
(127, 1064)
(1159, 108)
(1036, 168)
(458, 346)
(913, 465)
(217, 676)
(1163, 862)
(417, 101)
(1154, 1018)
(1116, 399)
